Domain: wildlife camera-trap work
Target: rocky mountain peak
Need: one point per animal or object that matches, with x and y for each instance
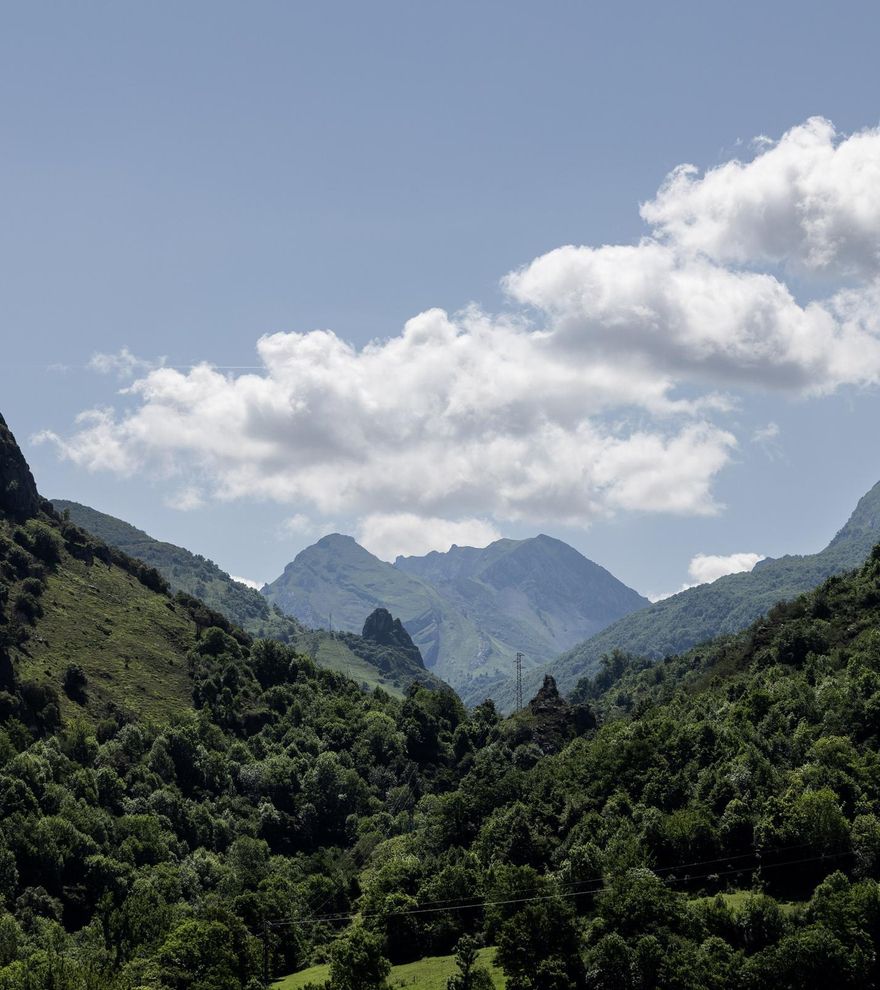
(18, 490)
(385, 630)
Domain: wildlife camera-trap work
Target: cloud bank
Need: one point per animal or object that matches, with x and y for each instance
(606, 387)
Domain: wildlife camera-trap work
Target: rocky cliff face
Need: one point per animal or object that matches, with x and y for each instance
(18, 490)
(381, 628)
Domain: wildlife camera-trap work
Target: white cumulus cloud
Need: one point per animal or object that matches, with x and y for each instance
(690, 319)
(810, 201)
(248, 582)
(707, 567)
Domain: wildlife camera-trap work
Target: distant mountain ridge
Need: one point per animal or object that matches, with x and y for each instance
(389, 667)
(469, 610)
(541, 581)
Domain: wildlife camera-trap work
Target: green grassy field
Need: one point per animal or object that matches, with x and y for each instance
(335, 655)
(131, 642)
(430, 973)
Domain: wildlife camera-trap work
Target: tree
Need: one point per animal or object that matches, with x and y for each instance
(270, 662)
(816, 819)
(199, 955)
(357, 962)
(539, 948)
(470, 975)
(812, 957)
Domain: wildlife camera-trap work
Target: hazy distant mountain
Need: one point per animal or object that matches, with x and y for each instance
(552, 594)
(337, 583)
(468, 610)
(390, 667)
(729, 604)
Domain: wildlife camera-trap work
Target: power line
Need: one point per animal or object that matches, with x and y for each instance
(657, 871)
(602, 886)
(348, 860)
(519, 696)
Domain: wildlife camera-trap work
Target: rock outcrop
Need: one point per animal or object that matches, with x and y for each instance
(381, 628)
(555, 721)
(18, 490)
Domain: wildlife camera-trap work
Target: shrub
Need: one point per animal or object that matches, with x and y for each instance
(28, 606)
(75, 682)
(43, 541)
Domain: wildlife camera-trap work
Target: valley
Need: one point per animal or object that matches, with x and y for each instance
(187, 804)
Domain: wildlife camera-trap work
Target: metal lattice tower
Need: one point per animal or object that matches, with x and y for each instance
(519, 701)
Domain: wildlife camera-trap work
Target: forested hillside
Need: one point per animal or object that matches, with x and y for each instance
(386, 667)
(727, 605)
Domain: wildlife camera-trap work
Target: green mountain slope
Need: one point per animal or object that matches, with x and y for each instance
(469, 610)
(392, 669)
(84, 631)
(727, 605)
(185, 571)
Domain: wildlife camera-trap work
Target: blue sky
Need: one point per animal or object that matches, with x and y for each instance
(181, 180)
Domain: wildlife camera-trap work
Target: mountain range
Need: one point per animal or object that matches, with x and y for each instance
(469, 610)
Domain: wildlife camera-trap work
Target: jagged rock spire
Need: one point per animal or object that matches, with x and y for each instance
(18, 490)
(381, 628)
